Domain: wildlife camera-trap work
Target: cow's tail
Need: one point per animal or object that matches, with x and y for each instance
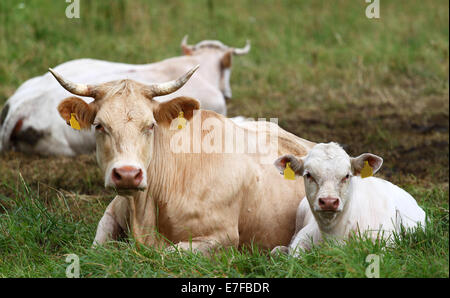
(3, 116)
(10, 124)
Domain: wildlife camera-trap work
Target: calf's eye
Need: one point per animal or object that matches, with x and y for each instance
(345, 178)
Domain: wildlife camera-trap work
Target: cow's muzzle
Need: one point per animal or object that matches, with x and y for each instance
(127, 177)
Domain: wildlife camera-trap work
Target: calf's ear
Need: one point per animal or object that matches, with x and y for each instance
(296, 164)
(169, 110)
(358, 162)
(84, 113)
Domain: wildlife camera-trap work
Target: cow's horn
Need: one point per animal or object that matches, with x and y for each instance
(171, 86)
(243, 50)
(78, 89)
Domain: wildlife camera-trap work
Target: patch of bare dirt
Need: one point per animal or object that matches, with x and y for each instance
(410, 144)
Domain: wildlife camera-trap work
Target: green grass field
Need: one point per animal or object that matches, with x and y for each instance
(324, 69)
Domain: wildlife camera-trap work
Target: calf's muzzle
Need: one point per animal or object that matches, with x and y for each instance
(328, 204)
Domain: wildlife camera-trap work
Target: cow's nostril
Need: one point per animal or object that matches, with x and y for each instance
(116, 175)
(321, 202)
(138, 175)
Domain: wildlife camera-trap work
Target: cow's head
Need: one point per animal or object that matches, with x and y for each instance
(327, 170)
(125, 119)
(225, 54)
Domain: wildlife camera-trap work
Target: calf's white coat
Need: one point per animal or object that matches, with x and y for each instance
(367, 205)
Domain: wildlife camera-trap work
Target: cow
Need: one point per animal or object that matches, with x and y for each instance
(341, 203)
(199, 200)
(28, 124)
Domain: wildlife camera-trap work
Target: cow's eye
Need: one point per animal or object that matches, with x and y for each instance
(99, 127)
(308, 175)
(150, 127)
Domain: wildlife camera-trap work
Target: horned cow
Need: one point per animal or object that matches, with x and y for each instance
(197, 200)
(28, 122)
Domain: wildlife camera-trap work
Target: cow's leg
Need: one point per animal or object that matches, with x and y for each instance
(114, 221)
(143, 219)
(206, 245)
(278, 250)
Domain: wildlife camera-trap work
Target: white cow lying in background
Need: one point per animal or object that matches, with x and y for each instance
(340, 202)
(29, 123)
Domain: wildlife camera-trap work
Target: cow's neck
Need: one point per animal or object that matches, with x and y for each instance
(167, 171)
(210, 66)
(173, 174)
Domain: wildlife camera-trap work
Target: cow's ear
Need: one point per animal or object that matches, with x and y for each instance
(186, 50)
(84, 113)
(373, 160)
(295, 163)
(169, 110)
(225, 61)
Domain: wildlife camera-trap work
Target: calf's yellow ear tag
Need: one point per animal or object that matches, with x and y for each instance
(289, 172)
(367, 170)
(181, 120)
(74, 122)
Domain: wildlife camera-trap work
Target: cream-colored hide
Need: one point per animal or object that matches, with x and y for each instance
(200, 199)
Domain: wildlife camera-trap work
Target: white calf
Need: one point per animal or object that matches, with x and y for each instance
(340, 202)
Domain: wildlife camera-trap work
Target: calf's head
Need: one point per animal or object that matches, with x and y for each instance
(223, 53)
(327, 170)
(125, 119)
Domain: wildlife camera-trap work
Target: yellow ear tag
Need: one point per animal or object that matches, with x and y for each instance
(73, 122)
(289, 172)
(181, 121)
(367, 170)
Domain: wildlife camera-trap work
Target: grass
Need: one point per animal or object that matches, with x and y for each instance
(325, 70)
(37, 235)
